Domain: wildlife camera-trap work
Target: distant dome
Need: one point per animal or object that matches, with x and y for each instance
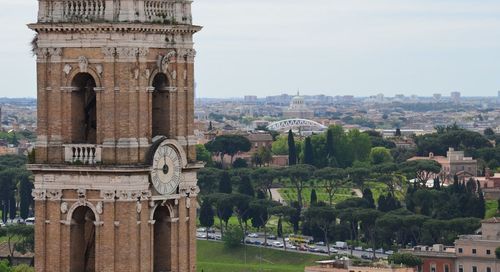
(297, 102)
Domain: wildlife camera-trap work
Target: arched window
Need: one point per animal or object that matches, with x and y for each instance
(82, 240)
(83, 109)
(162, 239)
(161, 106)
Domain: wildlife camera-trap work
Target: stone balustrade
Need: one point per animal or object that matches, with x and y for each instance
(82, 153)
(84, 10)
(153, 11)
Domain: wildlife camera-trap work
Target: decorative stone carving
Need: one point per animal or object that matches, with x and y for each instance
(38, 194)
(174, 74)
(67, 69)
(143, 52)
(127, 52)
(108, 51)
(136, 73)
(54, 194)
(82, 194)
(191, 54)
(147, 73)
(55, 52)
(185, 75)
(164, 60)
(188, 203)
(99, 68)
(108, 194)
(64, 207)
(83, 63)
(99, 207)
(41, 52)
(138, 207)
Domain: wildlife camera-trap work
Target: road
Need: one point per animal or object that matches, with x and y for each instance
(251, 241)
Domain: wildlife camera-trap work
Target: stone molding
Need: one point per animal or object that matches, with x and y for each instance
(54, 194)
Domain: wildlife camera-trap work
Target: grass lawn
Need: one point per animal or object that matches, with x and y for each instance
(214, 257)
(290, 194)
(379, 188)
(491, 208)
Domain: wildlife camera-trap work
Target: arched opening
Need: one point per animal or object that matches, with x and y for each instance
(162, 239)
(161, 106)
(83, 109)
(82, 240)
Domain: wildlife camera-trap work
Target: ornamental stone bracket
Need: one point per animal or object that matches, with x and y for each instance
(39, 194)
(189, 189)
(134, 195)
(54, 194)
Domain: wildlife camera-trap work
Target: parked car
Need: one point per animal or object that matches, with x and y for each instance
(30, 221)
(369, 249)
(380, 250)
(253, 235)
(365, 256)
(358, 248)
(320, 243)
(340, 244)
(278, 244)
(389, 252)
(272, 237)
(290, 246)
(201, 229)
(201, 235)
(333, 250)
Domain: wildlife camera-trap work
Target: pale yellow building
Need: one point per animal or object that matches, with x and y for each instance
(476, 253)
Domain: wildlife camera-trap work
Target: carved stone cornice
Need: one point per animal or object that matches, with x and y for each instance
(115, 27)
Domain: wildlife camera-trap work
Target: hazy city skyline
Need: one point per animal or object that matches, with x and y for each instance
(333, 47)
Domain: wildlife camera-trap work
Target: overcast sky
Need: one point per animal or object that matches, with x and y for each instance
(334, 47)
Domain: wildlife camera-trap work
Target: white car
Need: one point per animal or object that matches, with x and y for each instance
(278, 244)
(389, 252)
(201, 235)
(380, 250)
(30, 221)
(333, 250)
(253, 235)
(358, 248)
(290, 246)
(369, 249)
(201, 230)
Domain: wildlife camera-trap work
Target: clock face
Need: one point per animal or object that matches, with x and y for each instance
(166, 173)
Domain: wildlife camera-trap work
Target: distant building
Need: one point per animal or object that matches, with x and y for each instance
(259, 140)
(455, 97)
(344, 265)
(477, 252)
(455, 163)
(298, 109)
(437, 258)
(471, 253)
(250, 98)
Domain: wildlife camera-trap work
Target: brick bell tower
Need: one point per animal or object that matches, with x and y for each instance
(115, 170)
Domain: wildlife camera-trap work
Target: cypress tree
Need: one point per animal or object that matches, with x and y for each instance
(246, 187)
(314, 197)
(292, 150)
(368, 195)
(437, 184)
(225, 183)
(279, 228)
(329, 143)
(210, 126)
(382, 204)
(308, 152)
(481, 205)
(206, 215)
